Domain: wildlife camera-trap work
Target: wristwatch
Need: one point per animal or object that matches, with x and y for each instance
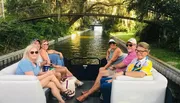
(124, 72)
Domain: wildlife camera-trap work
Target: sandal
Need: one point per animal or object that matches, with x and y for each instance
(68, 94)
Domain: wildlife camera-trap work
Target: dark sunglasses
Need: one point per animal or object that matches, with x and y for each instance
(32, 52)
(129, 45)
(45, 44)
(112, 43)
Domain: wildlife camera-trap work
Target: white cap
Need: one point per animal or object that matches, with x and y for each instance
(132, 40)
(112, 40)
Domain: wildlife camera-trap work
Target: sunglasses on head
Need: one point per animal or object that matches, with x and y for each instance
(34, 52)
(129, 45)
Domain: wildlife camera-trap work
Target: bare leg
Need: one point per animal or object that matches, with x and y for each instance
(63, 71)
(95, 87)
(52, 78)
(55, 91)
(57, 83)
(58, 75)
(68, 73)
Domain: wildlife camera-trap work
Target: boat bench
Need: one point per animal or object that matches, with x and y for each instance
(150, 89)
(20, 88)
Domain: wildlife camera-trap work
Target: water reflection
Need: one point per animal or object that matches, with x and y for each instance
(89, 44)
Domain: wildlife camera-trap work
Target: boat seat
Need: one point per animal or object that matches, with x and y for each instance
(20, 88)
(150, 89)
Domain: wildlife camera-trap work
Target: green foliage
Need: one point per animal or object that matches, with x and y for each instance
(119, 28)
(165, 27)
(26, 8)
(17, 35)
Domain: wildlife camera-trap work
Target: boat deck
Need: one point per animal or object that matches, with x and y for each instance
(86, 86)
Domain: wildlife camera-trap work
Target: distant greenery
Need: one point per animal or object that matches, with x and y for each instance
(124, 35)
(17, 35)
(172, 58)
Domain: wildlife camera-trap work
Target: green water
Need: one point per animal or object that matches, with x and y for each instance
(88, 44)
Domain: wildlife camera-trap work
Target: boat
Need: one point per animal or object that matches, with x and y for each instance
(21, 89)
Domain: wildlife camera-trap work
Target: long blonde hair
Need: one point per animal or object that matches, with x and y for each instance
(27, 50)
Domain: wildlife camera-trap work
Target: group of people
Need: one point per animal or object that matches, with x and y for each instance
(135, 64)
(37, 55)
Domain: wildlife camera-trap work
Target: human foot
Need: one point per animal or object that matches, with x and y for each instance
(84, 92)
(82, 98)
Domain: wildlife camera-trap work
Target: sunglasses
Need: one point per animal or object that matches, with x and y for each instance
(141, 51)
(34, 52)
(45, 44)
(130, 45)
(112, 43)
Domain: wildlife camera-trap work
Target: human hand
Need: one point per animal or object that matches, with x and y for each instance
(109, 81)
(60, 54)
(103, 68)
(112, 67)
(117, 74)
(50, 72)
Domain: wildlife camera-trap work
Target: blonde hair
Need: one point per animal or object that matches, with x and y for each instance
(144, 45)
(43, 41)
(27, 50)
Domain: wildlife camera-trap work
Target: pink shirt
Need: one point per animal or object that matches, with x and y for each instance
(127, 60)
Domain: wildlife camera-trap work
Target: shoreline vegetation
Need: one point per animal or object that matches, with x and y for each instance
(171, 58)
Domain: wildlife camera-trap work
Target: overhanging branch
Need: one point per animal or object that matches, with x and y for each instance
(89, 14)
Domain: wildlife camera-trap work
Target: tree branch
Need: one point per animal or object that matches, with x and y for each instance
(90, 14)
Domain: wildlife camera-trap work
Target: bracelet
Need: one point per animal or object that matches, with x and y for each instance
(124, 72)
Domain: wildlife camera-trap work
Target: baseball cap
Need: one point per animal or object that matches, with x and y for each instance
(112, 41)
(132, 40)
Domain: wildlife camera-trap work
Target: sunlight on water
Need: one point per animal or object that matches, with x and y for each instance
(88, 44)
(98, 30)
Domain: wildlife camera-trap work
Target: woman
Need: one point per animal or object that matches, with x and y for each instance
(28, 66)
(63, 70)
(40, 61)
(114, 56)
(138, 68)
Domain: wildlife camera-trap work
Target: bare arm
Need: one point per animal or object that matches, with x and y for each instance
(120, 65)
(45, 56)
(43, 63)
(114, 58)
(29, 73)
(40, 76)
(55, 52)
(107, 54)
(136, 74)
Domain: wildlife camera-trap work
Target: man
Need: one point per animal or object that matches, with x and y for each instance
(114, 54)
(138, 68)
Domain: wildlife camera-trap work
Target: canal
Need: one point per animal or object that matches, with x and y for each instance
(88, 44)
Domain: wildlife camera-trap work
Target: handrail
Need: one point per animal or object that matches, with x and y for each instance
(79, 58)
